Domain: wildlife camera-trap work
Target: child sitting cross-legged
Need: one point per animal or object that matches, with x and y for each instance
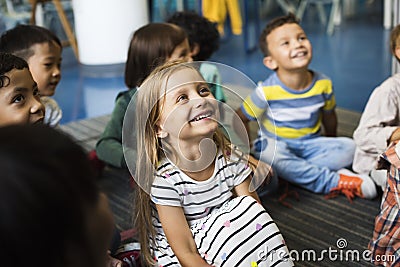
(292, 105)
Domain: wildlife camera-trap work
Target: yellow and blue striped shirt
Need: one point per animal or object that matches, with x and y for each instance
(289, 113)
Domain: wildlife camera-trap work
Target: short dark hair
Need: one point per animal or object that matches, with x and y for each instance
(200, 31)
(8, 62)
(47, 187)
(150, 46)
(273, 24)
(20, 39)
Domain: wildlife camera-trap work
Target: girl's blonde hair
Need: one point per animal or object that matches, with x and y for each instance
(150, 100)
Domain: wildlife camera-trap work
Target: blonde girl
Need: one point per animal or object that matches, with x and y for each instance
(193, 207)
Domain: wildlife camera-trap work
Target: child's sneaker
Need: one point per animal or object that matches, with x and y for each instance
(351, 184)
(129, 254)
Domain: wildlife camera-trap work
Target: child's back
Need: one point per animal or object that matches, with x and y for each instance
(52, 209)
(42, 50)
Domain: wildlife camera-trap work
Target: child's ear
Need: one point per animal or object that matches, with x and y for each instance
(397, 52)
(195, 50)
(270, 63)
(161, 133)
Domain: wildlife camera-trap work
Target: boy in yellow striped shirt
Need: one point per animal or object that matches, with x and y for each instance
(292, 105)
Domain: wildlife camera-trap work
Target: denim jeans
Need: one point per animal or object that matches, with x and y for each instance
(311, 163)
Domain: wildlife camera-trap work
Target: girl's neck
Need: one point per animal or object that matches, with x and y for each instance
(203, 174)
(296, 80)
(196, 160)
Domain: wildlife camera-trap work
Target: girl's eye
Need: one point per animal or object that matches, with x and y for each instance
(181, 98)
(18, 99)
(204, 91)
(285, 43)
(302, 38)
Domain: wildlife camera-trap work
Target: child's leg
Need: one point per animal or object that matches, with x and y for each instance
(241, 231)
(334, 153)
(291, 167)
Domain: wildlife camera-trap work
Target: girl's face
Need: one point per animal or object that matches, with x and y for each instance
(20, 100)
(190, 111)
(45, 67)
(181, 52)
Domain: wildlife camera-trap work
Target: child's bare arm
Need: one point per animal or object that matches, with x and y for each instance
(179, 236)
(262, 172)
(329, 121)
(243, 189)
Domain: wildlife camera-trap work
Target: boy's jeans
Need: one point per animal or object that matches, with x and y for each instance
(311, 163)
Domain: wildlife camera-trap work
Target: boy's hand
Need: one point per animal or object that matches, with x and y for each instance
(395, 135)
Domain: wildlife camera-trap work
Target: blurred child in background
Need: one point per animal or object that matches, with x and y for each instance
(203, 41)
(150, 46)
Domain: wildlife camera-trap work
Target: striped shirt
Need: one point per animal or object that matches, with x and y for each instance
(172, 187)
(289, 113)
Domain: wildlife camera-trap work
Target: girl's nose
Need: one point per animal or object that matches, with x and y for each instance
(199, 102)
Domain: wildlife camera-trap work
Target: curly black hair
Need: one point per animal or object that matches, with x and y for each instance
(8, 62)
(201, 32)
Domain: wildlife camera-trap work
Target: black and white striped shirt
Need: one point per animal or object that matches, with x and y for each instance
(172, 187)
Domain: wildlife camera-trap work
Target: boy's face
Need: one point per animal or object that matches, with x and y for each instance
(45, 67)
(20, 99)
(289, 48)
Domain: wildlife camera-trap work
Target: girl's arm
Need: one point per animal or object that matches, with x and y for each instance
(179, 236)
(243, 189)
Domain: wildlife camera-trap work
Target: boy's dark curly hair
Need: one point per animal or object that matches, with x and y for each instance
(200, 31)
(8, 62)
